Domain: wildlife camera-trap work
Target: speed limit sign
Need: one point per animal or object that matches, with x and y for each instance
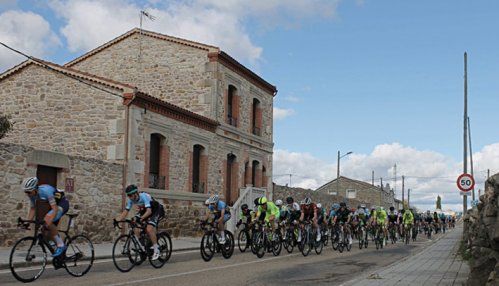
(465, 182)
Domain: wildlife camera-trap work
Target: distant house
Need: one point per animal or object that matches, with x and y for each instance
(366, 193)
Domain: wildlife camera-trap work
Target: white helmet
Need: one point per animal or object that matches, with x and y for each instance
(319, 205)
(213, 199)
(30, 184)
(207, 202)
(278, 203)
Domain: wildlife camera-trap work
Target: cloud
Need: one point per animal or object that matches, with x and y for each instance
(90, 23)
(292, 98)
(280, 113)
(27, 32)
(427, 173)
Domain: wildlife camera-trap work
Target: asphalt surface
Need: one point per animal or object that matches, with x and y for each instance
(187, 268)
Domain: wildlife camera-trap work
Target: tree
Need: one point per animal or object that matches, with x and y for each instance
(5, 125)
(439, 203)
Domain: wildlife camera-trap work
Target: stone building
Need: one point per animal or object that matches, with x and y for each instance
(361, 191)
(180, 119)
(325, 198)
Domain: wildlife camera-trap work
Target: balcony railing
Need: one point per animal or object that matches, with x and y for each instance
(257, 131)
(156, 181)
(232, 121)
(198, 188)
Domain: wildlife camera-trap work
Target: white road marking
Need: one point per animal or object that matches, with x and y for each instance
(202, 270)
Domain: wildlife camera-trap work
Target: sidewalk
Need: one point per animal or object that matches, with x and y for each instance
(438, 264)
(104, 250)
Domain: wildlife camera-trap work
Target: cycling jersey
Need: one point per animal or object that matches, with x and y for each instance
(392, 217)
(380, 216)
(308, 211)
(144, 202)
(343, 214)
(54, 197)
(408, 218)
(272, 210)
(361, 214)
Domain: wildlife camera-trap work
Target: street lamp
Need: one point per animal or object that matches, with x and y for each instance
(338, 171)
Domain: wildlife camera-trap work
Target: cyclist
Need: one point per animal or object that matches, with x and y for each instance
(221, 214)
(321, 214)
(393, 217)
(361, 216)
(282, 210)
(380, 218)
(149, 211)
(59, 205)
(408, 219)
(245, 216)
(333, 212)
(309, 213)
(343, 217)
(268, 212)
(293, 210)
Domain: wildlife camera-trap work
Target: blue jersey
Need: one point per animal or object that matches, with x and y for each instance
(332, 213)
(144, 201)
(47, 193)
(220, 206)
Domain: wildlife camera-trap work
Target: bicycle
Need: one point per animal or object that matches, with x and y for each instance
(407, 233)
(77, 259)
(210, 243)
(362, 236)
(379, 237)
(309, 241)
(289, 238)
(392, 231)
(265, 242)
(244, 239)
(128, 251)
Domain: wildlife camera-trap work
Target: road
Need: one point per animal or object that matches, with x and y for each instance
(187, 268)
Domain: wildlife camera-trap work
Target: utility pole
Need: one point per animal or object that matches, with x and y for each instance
(465, 125)
(403, 181)
(381, 192)
(409, 198)
(395, 179)
(290, 180)
(471, 156)
(488, 174)
(373, 177)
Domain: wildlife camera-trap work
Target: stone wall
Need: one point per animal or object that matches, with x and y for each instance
(170, 71)
(97, 195)
(298, 194)
(55, 113)
(481, 235)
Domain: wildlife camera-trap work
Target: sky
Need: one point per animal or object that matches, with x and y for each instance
(383, 79)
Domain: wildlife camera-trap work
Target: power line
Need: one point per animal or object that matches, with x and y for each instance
(43, 64)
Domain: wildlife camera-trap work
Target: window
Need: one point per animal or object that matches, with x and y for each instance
(157, 162)
(351, 194)
(46, 175)
(264, 177)
(255, 176)
(256, 118)
(199, 168)
(231, 179)
(232, 105)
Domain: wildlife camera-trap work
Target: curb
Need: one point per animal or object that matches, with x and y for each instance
(4, 266)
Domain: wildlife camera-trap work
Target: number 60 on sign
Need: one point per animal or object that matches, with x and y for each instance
(465, 182)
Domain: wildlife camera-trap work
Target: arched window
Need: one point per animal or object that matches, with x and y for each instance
(232, 106)
(264, 177)
(256, 118)
(231, 179)
(255, 175)
(158, 162)
(199, 169)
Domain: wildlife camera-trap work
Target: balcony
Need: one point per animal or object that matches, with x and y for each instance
(257, 131)
(156, 181)
(198, 188)
(232, 121)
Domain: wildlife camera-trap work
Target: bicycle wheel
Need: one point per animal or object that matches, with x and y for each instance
(243, 240)
(334, 240)
(260, 245)
(165, 250)
(207, 247)
(79, 255)
(348, 246)
(318, 246)
(306, 245)
(126, 253)
(276, 244)
(27, 259)
(228, 246)
(288, 241)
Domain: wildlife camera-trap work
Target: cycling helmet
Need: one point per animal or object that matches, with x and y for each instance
(392, 208)
(244, 207)
(207, 202)
(343, 204)
(363, 206)
(278, 203)
(30, 184)
(402, 211)
(289, 200)
(262, 201)
(307, 201)
(214, 199)
(131, 189)
(319, 205)
(256, 201)
(379, 209)
(382, 208)
(335, 206)
(359, 206)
